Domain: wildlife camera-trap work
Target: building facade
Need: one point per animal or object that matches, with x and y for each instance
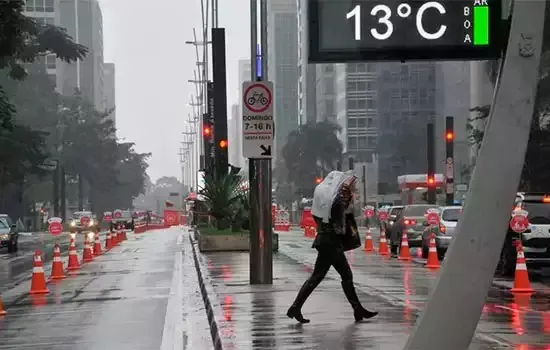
(44, 11)
(283, 67)
(325, 96)
(356, 108)
(83, 21)
(234, 138)
(307, 79)
(245, 74)
(109, 89)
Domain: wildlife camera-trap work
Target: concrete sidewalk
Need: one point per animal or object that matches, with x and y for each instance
(253, 317)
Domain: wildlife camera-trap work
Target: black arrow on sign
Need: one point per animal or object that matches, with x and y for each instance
(266, 150)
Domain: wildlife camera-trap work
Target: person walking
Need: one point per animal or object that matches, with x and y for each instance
(337, 232)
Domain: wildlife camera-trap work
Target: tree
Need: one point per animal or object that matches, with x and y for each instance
(23, 40)
(311, 151)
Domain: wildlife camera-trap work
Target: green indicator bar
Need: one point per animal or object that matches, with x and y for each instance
(481, 25)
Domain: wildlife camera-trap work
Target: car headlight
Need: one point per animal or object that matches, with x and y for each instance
(4, 237)
(391, 222)
(73, 224)
(91, 223)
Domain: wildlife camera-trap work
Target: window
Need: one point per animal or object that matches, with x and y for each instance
(352, 123)
(361, 67)
(361, 104)
(362, 142)
(361, 122)
(39, 5)
(370, 104)
(49, 6)
(351, 68)
(352, 104)
(352, 86)
(30, 6)
(352, 142)
(50, 62)
(370, 123)
(361, 86)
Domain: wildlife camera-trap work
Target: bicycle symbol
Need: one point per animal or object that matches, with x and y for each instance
(257, 97)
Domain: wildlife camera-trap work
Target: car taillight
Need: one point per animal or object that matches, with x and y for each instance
(442, 229)
(408, 222)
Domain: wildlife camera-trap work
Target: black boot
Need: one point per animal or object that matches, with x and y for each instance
(359, 312)
(295, 311)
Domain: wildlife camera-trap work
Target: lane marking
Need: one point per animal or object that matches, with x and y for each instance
(172, 333)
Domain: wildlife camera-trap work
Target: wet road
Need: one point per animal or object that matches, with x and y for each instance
(521, 323)
(131, 298)
(16, 267)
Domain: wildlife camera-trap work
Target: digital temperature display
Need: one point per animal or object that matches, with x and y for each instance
(375, 30)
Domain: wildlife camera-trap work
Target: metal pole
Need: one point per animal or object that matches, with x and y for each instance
(261, 233)
(470, 263)
(430, 143)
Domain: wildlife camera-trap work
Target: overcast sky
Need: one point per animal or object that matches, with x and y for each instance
(153, 65)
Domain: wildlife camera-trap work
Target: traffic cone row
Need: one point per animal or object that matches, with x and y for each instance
(521, 277)
(433, 259)
(369, 247)
(383, 248)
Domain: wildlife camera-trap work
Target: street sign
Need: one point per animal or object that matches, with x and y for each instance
(258, 125)
(85, 220)
(383, 215)
(107, 216)
(432, 217)
(54, 226)
(118, 214)
(519, 222)
(369, 212)
(389, 30)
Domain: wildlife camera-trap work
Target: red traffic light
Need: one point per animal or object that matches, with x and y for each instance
(318, 180)
(431, 181)
(206, 131)
(450, 136)
(223, 144)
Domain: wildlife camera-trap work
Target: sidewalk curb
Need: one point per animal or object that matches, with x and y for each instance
(214, 330)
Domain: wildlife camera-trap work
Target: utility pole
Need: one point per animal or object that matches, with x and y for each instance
(221, 163)
(449, 161)
(261, 232)
(430, 178)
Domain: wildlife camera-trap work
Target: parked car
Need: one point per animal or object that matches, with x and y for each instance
(9, 235)
(410, 220)
(535, 240)
(444, 232)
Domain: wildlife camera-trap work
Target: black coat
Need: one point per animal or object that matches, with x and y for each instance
(338, 234)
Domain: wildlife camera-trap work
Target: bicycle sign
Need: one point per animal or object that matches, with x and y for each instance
(258, 97)
(258, 122)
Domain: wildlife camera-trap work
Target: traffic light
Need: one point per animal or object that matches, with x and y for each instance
(449, 136)
(223, 144)
(318, 180)
(206, 131)
(431, 181)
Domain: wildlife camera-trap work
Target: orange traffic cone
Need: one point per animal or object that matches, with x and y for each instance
(87, 255)
(38, 281)
(124, 237)
(73, 257)
(383, 246)
(57, 265)
(433, 260)
(404, 252)
(521, 278)
(368, 242)
(2, 310)
(97, 245)
(108, 243)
